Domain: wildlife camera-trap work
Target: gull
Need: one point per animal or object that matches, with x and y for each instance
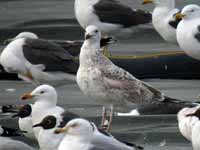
(108, 15)
(163, 18)
(195, 130)
(48, 125)
(108, 84)
(9, 144)
(25, 120)
(38, 61)
(186, 121)
(73, 47)
(45, 98)
(188, 30)
(80, 134)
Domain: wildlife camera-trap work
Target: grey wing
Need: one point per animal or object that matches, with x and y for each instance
(111, 11)
(51, 55)
(197, 35)
(119, 78)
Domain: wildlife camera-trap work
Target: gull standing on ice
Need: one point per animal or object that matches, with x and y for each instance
(188, 30)
(108, 84)
(81, 134)
(163, 18)
(38, 61)
(109, 15)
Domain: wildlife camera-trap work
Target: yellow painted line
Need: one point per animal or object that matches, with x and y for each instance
(154, 55)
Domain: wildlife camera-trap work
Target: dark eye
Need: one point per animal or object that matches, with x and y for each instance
(96, 31)
(42, 92)
(74, 125)
(192, 10)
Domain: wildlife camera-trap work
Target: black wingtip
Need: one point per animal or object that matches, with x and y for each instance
(9, 132)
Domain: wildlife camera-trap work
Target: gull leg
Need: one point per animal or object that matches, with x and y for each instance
(110, 119)
(103, 117)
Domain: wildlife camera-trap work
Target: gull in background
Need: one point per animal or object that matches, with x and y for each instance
(38, 61)
(109, 85)
(73, 47)
(110, 16)
(164, 20)
(188, 30)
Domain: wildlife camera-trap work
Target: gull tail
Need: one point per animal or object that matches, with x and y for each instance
(176, 105)
(167, 106)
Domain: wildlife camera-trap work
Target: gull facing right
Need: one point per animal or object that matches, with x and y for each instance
(108, 84)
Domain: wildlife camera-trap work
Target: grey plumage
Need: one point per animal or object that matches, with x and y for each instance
(111, 11)
(51, 55)
(9, 144)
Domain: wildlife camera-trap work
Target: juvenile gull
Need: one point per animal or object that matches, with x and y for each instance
(81, 134)
(188, 30)
(108, 15)
(163, 18)
(108, 84)
(9, 144)
(38, 61)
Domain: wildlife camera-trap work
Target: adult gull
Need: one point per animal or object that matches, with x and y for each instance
(188, 30)
(80, 134)
(108, 15)
(38, 61)
(163, 18)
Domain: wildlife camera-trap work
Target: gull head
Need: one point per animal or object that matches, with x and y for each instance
(164, 3)
(92, 33)
(49, 122)
(24, 111)
(44, 93)
(28, 35)
(77, 127)
(189, 12)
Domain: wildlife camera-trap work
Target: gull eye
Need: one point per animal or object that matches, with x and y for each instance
(192, 10)
(42, 92)
(74, 125)
(96, 31)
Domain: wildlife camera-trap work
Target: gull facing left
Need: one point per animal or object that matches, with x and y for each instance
(108, 84)
(81, 134)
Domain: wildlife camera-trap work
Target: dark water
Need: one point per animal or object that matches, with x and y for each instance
(54, 19)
